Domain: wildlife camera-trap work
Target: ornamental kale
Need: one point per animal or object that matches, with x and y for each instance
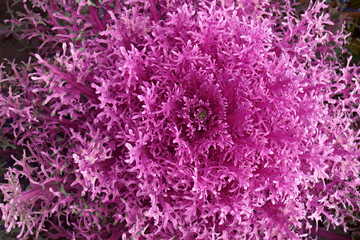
(180, 119)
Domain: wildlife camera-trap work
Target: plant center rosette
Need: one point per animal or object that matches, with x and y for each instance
(182, 120)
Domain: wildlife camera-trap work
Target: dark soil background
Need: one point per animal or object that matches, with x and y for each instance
(10, 46)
